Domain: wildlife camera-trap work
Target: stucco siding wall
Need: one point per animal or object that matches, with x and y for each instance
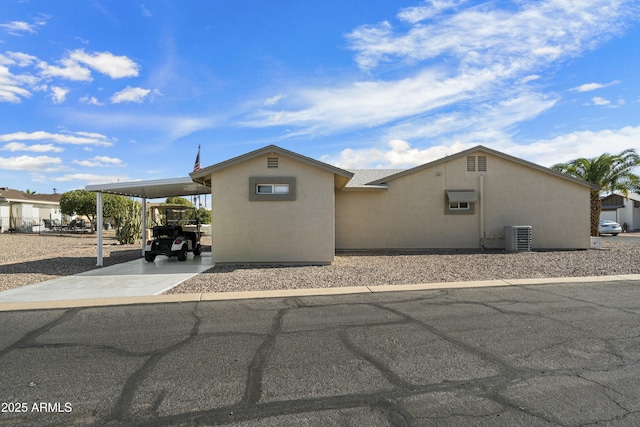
(410, 214)
(556, 209)
(273, 231)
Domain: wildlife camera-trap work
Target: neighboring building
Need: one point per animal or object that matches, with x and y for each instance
(276, 206)
(623, 210)
(22, 211)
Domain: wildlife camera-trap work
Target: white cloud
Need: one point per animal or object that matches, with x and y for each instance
(107, 63)
(77, 65)
(172, 126)
(70, 70)
(365, 104)
(17, 58)
(37, 148)
(552, 27)
(99, 161)
(588, 87)
(603, 102)
(12, 86)
(130, 94)
(91, 179)
(18, 28)
(476, 123)
(428, 11)
(398, 154)
(530, 78)
(577, 144)
(273, 100)
(76, 138)
(596, 100)
(29, 163)
(563, 148)
(481, 55)
(90, 100)
(59, 94)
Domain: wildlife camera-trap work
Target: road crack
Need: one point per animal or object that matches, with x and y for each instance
(253, 389)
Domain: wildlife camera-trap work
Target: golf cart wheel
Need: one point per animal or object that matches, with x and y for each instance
(182, 253)
(149, 257)
(197, 251)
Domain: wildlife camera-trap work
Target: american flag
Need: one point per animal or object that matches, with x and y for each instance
(196, 165)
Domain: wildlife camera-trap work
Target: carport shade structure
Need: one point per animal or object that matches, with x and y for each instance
(153, 189)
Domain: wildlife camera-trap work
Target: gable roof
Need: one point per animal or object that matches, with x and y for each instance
(341, 176)
(481, 148)
(10, 195)
(631, 196)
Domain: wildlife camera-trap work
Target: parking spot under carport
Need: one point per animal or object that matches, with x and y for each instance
(129, 279)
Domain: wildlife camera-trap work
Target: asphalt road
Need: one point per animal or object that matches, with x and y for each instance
(543, 355)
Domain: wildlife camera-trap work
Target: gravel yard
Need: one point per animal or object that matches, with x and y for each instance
(357, 269)
(27, 259)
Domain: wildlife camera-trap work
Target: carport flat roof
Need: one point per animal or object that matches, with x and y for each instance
(153, 189)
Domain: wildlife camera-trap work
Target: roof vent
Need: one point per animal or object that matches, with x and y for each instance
(471, 163)
(272, 162)
(482, 163)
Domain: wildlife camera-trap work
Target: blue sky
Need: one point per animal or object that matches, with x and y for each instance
(110, 91)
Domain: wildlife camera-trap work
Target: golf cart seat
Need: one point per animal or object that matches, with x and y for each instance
(160, 231)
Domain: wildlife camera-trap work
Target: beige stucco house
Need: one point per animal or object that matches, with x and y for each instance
(273, 205)
(276, 206)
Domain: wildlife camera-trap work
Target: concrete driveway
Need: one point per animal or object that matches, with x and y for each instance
(562, 354)
(129, 279)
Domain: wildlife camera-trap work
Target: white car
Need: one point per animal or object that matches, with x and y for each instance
(609, 227)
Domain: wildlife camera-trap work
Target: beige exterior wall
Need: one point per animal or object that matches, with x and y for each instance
(299, 231)
(411, 213)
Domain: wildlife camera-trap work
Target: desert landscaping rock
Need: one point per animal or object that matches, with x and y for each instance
(394, 268)
(28, 259)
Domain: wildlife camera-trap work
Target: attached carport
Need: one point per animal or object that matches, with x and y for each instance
(153, 189)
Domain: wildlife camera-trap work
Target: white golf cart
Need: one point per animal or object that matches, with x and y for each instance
(175, 231)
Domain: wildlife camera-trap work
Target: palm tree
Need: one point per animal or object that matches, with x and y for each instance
(612, 172)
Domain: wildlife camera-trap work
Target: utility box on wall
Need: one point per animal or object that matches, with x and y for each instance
(518, 238)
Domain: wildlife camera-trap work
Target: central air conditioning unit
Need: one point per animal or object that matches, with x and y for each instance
(517, 238)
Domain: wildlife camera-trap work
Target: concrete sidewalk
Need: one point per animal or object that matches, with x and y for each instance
(136, 278)
(154, 297)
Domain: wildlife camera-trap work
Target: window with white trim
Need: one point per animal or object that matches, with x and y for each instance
(460, 202)
(459, 206)
(272, 188)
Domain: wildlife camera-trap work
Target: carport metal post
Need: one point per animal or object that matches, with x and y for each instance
(99, 227)
(144, 223)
